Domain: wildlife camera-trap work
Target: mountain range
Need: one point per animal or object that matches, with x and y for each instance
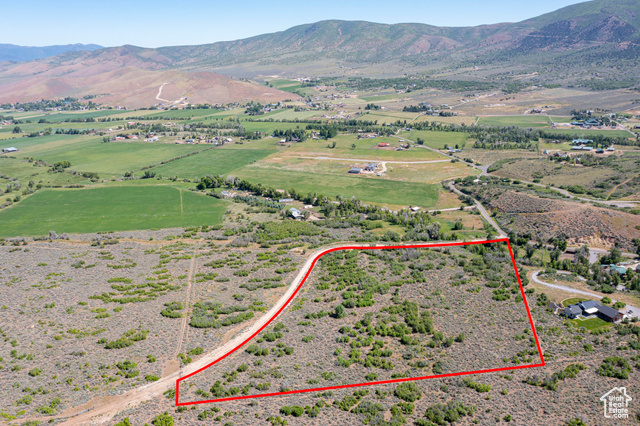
(600, 37)
(12, 52)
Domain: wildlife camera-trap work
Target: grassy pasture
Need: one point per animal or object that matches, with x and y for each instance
(181, 114)
(573, 301)
(591, 324)
(515, 120)
(389, 116)
(113, 158)
(109, 209)
(437, 140)
(290, 114)
(365, 149)
(216, 161)
(428, 173)
(267, 127)
(585, 133)
(59, 117)
(559, 119)
(371, 190)
(26, 172)
(420, 173)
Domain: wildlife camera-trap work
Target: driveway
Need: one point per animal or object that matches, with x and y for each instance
(635, 312)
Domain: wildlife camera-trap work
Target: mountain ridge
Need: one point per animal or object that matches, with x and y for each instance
(566, 45)
(16, 53)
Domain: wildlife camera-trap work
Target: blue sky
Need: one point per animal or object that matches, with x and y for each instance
(179, 22)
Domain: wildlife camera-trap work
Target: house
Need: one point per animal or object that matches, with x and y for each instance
(621, 270)
(581, 144)
(371, 167)
(572, 311)
(589, 307)
(285, 200)
(611, 148)
(415, 209)
(607, 313)
(10, 149)
(295, 213)
(599, 151)
(383, 144)
(355, 170)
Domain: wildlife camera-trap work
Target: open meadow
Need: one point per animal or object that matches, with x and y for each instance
(107, 209)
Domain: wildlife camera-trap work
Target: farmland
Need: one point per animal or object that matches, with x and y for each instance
(383, 192)
(173, 236)
(92, 155)
(109, 209)
(212, 162)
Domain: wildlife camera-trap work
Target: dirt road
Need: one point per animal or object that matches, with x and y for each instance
(102, 410)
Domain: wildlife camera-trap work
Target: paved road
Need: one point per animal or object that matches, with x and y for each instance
(634, 311)
(484, 172)
(485, 214)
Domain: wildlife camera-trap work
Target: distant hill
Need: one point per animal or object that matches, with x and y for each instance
(12, 52)
(592, 41)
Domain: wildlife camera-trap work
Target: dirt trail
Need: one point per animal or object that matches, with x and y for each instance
(160, 93)
(183, 325)
(101, 410)
(616, 187)
(167, 100)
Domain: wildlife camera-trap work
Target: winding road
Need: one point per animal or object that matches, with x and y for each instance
(484, 172)
(102, 409)
(634, 311)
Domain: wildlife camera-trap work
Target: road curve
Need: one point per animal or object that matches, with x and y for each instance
(103, 409)
(634, 311)
(484, 172)
(485, 214)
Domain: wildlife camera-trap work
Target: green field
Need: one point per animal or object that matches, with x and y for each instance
(62, 116)
(573, 301)
(364, 149)
(516, 120)
(217, 161)
(109, 209)
(581, 133)
(437, 140)
(88, 154)
(289, 114)
(591, 324)
(182, 114)
(371, 190)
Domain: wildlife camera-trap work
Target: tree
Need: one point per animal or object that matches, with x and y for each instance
(613, 257)
(530, 250)
(636, 243)
(562, 244)
(163, 420)
(17, 129)
(340, 312)
(353, 146)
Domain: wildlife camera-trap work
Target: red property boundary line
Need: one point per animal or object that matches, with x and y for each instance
(435, 376)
